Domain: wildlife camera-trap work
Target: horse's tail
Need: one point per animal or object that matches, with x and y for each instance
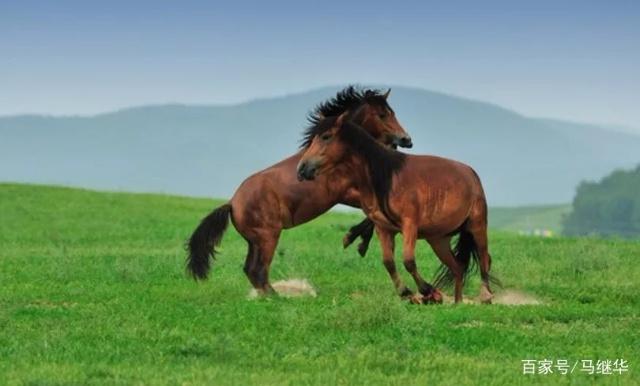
(466, 254)
(364, 230)
(202, 243)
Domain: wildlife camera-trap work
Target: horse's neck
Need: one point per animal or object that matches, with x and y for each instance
(308, 201)
(341, 181)
(360, 181)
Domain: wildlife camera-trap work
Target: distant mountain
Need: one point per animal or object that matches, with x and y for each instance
(209, 150)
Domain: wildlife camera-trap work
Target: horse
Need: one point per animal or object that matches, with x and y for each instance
(420, 196)
(272, 199)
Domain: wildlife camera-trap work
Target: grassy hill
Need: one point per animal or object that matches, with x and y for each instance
(94, 292)
(208, 150)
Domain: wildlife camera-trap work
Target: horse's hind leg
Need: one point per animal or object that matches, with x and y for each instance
(409, 236)
(477, 226)
(267, 251)
(250, 265)
(442, 249)
(387, 245)
(258, 263)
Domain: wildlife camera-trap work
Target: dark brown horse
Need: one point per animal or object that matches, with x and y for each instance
(273, 199)
(425, 197)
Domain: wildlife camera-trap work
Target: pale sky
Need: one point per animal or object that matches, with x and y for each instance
(575, 60)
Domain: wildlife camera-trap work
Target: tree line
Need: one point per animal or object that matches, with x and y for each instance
(608, 207)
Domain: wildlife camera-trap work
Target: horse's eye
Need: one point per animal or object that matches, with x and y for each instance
(325, 137)
(382, 115)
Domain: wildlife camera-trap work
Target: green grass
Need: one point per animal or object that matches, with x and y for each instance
(93, 291)
(528, 218)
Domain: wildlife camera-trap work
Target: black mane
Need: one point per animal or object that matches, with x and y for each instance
(382, 163)
(347, 99)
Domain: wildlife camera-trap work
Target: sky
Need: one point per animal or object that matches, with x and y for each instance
(575, 60)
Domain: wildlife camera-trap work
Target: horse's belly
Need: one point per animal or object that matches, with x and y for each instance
(381, 220)
(442, 223)
(306, 207)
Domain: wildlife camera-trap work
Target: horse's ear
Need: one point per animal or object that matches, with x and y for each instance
(340, 120)
(386, 94)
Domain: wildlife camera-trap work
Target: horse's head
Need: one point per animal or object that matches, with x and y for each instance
(343, 141)
(378, 118)
(366, 108)
(325, 149)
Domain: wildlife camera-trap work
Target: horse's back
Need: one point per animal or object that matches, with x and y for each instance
(444, 172)
(440, 193)
(274, 198)
(257, 204)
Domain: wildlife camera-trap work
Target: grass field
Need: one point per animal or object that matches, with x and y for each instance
(93, 291)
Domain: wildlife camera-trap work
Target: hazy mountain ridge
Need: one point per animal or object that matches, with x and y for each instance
(208, 150)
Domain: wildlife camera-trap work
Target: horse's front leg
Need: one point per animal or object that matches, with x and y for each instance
(387, 244)
(364, 230)
(409, 237)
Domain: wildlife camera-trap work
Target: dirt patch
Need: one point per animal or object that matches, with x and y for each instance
(292, 288)
(505, 297)
(465, 300)
(515, 298)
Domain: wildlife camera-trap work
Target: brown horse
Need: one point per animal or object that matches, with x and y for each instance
(272, 199)
(424, 197)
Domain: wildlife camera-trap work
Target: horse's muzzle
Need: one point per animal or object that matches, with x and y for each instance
(306, 171)
(404, 142)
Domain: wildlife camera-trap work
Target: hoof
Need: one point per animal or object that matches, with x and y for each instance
(485, 295)
(362, 248)
(416, 299)
(346, 240)
(435, 297)
(406, 293)
(269, 292)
